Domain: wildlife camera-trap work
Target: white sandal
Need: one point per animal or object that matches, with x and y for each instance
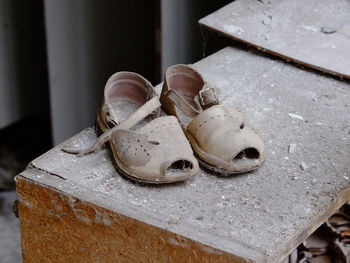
(146, 146)
(220, 136)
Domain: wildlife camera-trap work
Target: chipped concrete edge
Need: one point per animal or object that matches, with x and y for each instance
(343, 196)
(84, 194)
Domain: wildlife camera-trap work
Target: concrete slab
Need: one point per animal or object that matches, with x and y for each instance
(260, 216)
(315, 33)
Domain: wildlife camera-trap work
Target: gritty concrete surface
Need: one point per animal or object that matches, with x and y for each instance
(314, 32)
(10, 242)
(262, 215)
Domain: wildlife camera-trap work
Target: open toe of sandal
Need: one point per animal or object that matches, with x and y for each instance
(220, 136)
(155, 153)
(147, 147)
(225, 141)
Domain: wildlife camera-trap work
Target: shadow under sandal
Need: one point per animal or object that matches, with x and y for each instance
(146, 146)
(221, 137)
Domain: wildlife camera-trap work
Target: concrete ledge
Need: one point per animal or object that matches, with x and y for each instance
(291, 30)
(67, 202)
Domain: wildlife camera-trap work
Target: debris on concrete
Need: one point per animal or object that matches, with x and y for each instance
(328, 30)
(303, 166)
(296, 116)
(309, 28)
(200, 217)
(292, 147)
(244, 200)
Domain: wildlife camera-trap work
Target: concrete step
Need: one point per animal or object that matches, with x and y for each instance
(82, 210)
(312, 33)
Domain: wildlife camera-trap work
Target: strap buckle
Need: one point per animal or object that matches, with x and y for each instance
(208, 96)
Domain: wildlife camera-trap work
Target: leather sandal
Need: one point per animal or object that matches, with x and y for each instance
(221, 137)
(147, 145)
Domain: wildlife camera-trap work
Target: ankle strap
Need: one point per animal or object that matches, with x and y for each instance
(206, 98)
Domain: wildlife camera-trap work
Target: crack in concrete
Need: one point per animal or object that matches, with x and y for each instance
(32, 166)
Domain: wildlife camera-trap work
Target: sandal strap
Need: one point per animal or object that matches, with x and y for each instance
(127, 124)
(175, 98)
(141, 113)
(206, 98)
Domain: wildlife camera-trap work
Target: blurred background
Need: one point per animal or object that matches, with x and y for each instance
(55, 57)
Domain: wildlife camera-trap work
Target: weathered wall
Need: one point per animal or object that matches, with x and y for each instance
(22, 60)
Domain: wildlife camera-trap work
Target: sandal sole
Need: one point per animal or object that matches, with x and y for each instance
(218, 171)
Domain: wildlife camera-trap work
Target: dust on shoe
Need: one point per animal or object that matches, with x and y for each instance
(222, 139)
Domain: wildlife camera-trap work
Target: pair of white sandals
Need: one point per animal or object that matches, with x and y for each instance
(150, 146)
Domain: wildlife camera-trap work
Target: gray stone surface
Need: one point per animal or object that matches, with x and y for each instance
(313, 32)
(10, 242)
(261, 215)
